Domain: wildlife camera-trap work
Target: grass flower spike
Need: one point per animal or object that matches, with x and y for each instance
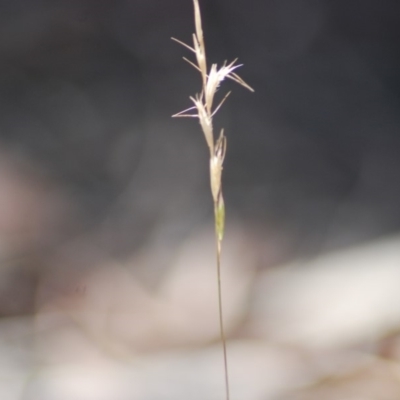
(203, 110)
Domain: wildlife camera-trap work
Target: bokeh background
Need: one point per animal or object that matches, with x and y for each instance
(107, 273)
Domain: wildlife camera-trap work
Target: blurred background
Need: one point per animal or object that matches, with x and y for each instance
(107, 273)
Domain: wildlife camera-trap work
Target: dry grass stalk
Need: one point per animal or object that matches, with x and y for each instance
(203, 107)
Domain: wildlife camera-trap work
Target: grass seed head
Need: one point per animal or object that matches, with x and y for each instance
(210, 81)
(216, 163)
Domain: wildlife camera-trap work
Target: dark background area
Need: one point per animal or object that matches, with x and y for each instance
(91, 155)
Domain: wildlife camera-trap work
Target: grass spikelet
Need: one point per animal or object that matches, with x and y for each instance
(203, 110)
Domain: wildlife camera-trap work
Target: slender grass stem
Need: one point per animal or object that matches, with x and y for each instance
(203, 104)
(221, 316)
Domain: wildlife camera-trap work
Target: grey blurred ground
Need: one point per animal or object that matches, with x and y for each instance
(107, 281)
